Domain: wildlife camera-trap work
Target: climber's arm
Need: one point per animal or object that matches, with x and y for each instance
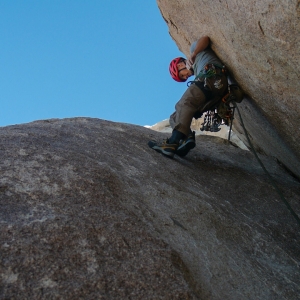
(201, 45)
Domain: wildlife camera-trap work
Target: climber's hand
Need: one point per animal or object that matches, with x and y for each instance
(190, 61)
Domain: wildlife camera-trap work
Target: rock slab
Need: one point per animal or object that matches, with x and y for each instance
(89, 211)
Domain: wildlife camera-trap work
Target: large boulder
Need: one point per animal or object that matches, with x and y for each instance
(89, 211)
(259, 42)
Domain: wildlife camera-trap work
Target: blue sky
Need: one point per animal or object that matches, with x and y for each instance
(71, 58)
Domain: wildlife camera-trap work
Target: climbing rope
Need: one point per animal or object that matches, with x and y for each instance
(268, 174)
(231, 121)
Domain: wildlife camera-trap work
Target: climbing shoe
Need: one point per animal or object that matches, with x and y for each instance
(186, 145)
(165, 148)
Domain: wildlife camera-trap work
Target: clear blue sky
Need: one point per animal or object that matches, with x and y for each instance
(76, 58)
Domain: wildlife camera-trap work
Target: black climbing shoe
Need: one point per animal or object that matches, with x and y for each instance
(186, 145)
(165, 148)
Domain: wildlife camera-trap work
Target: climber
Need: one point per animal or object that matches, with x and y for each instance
(208, 87)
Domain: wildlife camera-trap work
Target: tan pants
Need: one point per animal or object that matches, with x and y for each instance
(194, 100)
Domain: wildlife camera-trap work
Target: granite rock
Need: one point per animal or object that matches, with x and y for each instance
(259, 42)
(88, 211)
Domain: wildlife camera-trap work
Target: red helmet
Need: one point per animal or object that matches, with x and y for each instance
(174, 70)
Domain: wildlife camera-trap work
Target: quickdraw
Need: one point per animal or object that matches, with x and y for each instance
(211, 121)
(222, 114)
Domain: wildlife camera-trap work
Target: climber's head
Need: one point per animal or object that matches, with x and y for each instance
(178, 69)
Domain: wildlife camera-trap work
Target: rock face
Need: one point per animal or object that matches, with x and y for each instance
(88, 211)
(65, 230)
(259, 42)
